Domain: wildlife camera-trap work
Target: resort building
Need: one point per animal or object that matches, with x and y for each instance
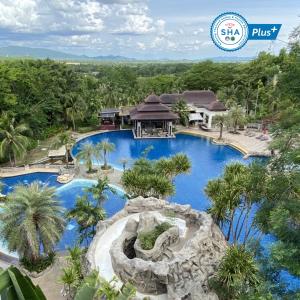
(152, 118)
(202, 105)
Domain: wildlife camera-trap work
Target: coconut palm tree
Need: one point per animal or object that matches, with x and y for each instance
(75, 109)
(220, 121)
(106, 147)
(13, 142)
(87, 153)
(32, 221)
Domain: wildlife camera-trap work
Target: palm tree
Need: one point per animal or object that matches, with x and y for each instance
(75, 109)
(86, 153)
(220, 121)
(182, 110)
(106, 147)
(32, 220)
(69, 278)
(64, 139)
(236, 117)
(13, 142)
(87, 216)
(100, 189)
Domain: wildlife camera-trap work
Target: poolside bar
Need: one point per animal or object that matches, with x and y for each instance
(153, 119)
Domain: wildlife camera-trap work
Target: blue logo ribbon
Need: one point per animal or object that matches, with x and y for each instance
(263, 31)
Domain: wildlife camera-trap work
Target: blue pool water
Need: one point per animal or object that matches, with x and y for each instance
(208, 160)
(67, 194)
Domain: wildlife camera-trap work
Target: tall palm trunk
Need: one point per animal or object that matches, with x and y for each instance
(10, 159)
(221, 131)
(105, 159)
(73, 122)
(15, 160)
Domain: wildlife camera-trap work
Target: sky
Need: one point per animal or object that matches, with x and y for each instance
(142, 29)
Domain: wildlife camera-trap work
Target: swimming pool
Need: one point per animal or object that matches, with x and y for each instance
(208, 160)
(67, 193)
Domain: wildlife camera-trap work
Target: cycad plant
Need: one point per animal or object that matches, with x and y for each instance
(32, 221)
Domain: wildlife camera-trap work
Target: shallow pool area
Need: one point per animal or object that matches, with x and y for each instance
(67, 193)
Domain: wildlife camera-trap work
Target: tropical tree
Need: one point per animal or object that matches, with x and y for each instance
(100, 190)
(220, 121)
(233, 196)
(182, 110)
(177, 164)
(75, 108)
(32, 221)
(13, 142)
(87, 216)
(236, 117)
(87, 153)
(154, 178)
(94, 287)
(73, 274)
(106, 147)
(64, 139)
(237, 273)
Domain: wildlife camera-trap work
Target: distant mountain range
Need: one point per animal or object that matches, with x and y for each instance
(15, 51)
(42, 53)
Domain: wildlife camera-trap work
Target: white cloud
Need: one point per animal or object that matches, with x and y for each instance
(19, 15)
(198, 31)
(141, 45)
(38, 16)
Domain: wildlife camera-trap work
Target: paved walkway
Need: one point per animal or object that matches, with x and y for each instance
(246, 144)
(49, 282)
(9, 172)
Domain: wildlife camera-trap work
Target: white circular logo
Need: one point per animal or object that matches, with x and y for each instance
(229, 31)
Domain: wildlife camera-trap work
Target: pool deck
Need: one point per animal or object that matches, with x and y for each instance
(249, 146)
(10, 172)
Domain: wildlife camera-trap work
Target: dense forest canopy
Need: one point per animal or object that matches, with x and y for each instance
(45, 94)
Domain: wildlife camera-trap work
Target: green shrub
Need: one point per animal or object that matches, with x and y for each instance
(40, 264)
(148, 239)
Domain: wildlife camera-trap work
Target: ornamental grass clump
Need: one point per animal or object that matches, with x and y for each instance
(148, 239)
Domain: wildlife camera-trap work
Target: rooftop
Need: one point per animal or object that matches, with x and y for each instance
(152, 109)
(201, 99)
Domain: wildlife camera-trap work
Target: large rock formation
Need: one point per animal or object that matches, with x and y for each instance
(182, 260)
